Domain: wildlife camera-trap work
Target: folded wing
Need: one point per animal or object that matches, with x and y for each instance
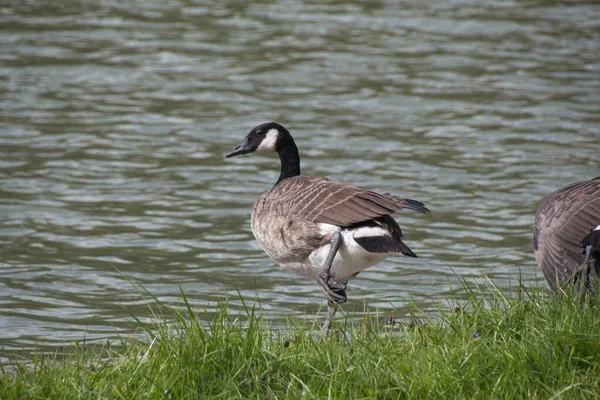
(563, 220)
(320, 200)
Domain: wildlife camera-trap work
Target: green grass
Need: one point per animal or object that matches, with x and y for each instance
(527, 345)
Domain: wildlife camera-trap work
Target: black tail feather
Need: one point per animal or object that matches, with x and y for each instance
(411, 204)
(416, 206)
(384, 244)
(404, 249)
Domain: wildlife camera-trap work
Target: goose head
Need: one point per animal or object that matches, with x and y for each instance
(270, 136)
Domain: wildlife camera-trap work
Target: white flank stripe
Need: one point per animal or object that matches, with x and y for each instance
(370, 232)
(328, 228)
(597, 228)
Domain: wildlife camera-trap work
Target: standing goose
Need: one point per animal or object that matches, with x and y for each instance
(317, 228)
(566, 236)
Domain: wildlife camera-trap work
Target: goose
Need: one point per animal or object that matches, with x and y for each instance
(318, 228)
(566, 235)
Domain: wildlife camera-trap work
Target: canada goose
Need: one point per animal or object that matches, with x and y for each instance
(566, 236)
(317, 228)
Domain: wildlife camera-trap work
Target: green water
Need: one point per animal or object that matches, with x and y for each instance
(114, 119)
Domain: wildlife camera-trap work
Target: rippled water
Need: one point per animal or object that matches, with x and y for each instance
(115, 116)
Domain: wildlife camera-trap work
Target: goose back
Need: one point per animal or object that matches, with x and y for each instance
(320, 200)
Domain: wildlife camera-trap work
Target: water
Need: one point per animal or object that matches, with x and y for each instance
(115, 117)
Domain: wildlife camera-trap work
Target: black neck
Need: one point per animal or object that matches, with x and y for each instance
(290, 160)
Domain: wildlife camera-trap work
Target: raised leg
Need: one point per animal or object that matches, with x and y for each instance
(334, 289)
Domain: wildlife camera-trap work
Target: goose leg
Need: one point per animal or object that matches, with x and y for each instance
(583, 282)
(334, 290)
(331, 309)
(587, 264)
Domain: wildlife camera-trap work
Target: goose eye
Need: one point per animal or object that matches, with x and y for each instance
(260, 132)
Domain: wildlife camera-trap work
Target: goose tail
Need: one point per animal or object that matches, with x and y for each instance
(384, 244)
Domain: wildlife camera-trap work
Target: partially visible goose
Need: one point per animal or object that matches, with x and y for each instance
(317, 228)
(566, 236)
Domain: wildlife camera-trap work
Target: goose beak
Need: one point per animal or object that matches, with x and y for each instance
(240, 149)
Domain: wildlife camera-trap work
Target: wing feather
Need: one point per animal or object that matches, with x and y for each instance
(563, 220)
(320, 200)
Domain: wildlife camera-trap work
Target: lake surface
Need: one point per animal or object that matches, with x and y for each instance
(115, 117)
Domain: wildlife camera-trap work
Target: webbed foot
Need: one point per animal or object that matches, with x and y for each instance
(334, 289)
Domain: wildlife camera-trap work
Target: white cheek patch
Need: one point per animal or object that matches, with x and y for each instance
(269, 142)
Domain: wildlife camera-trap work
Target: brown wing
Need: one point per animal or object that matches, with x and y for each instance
(318, 199)
(563, 219)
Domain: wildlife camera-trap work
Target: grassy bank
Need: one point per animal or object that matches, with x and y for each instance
(524, 345)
